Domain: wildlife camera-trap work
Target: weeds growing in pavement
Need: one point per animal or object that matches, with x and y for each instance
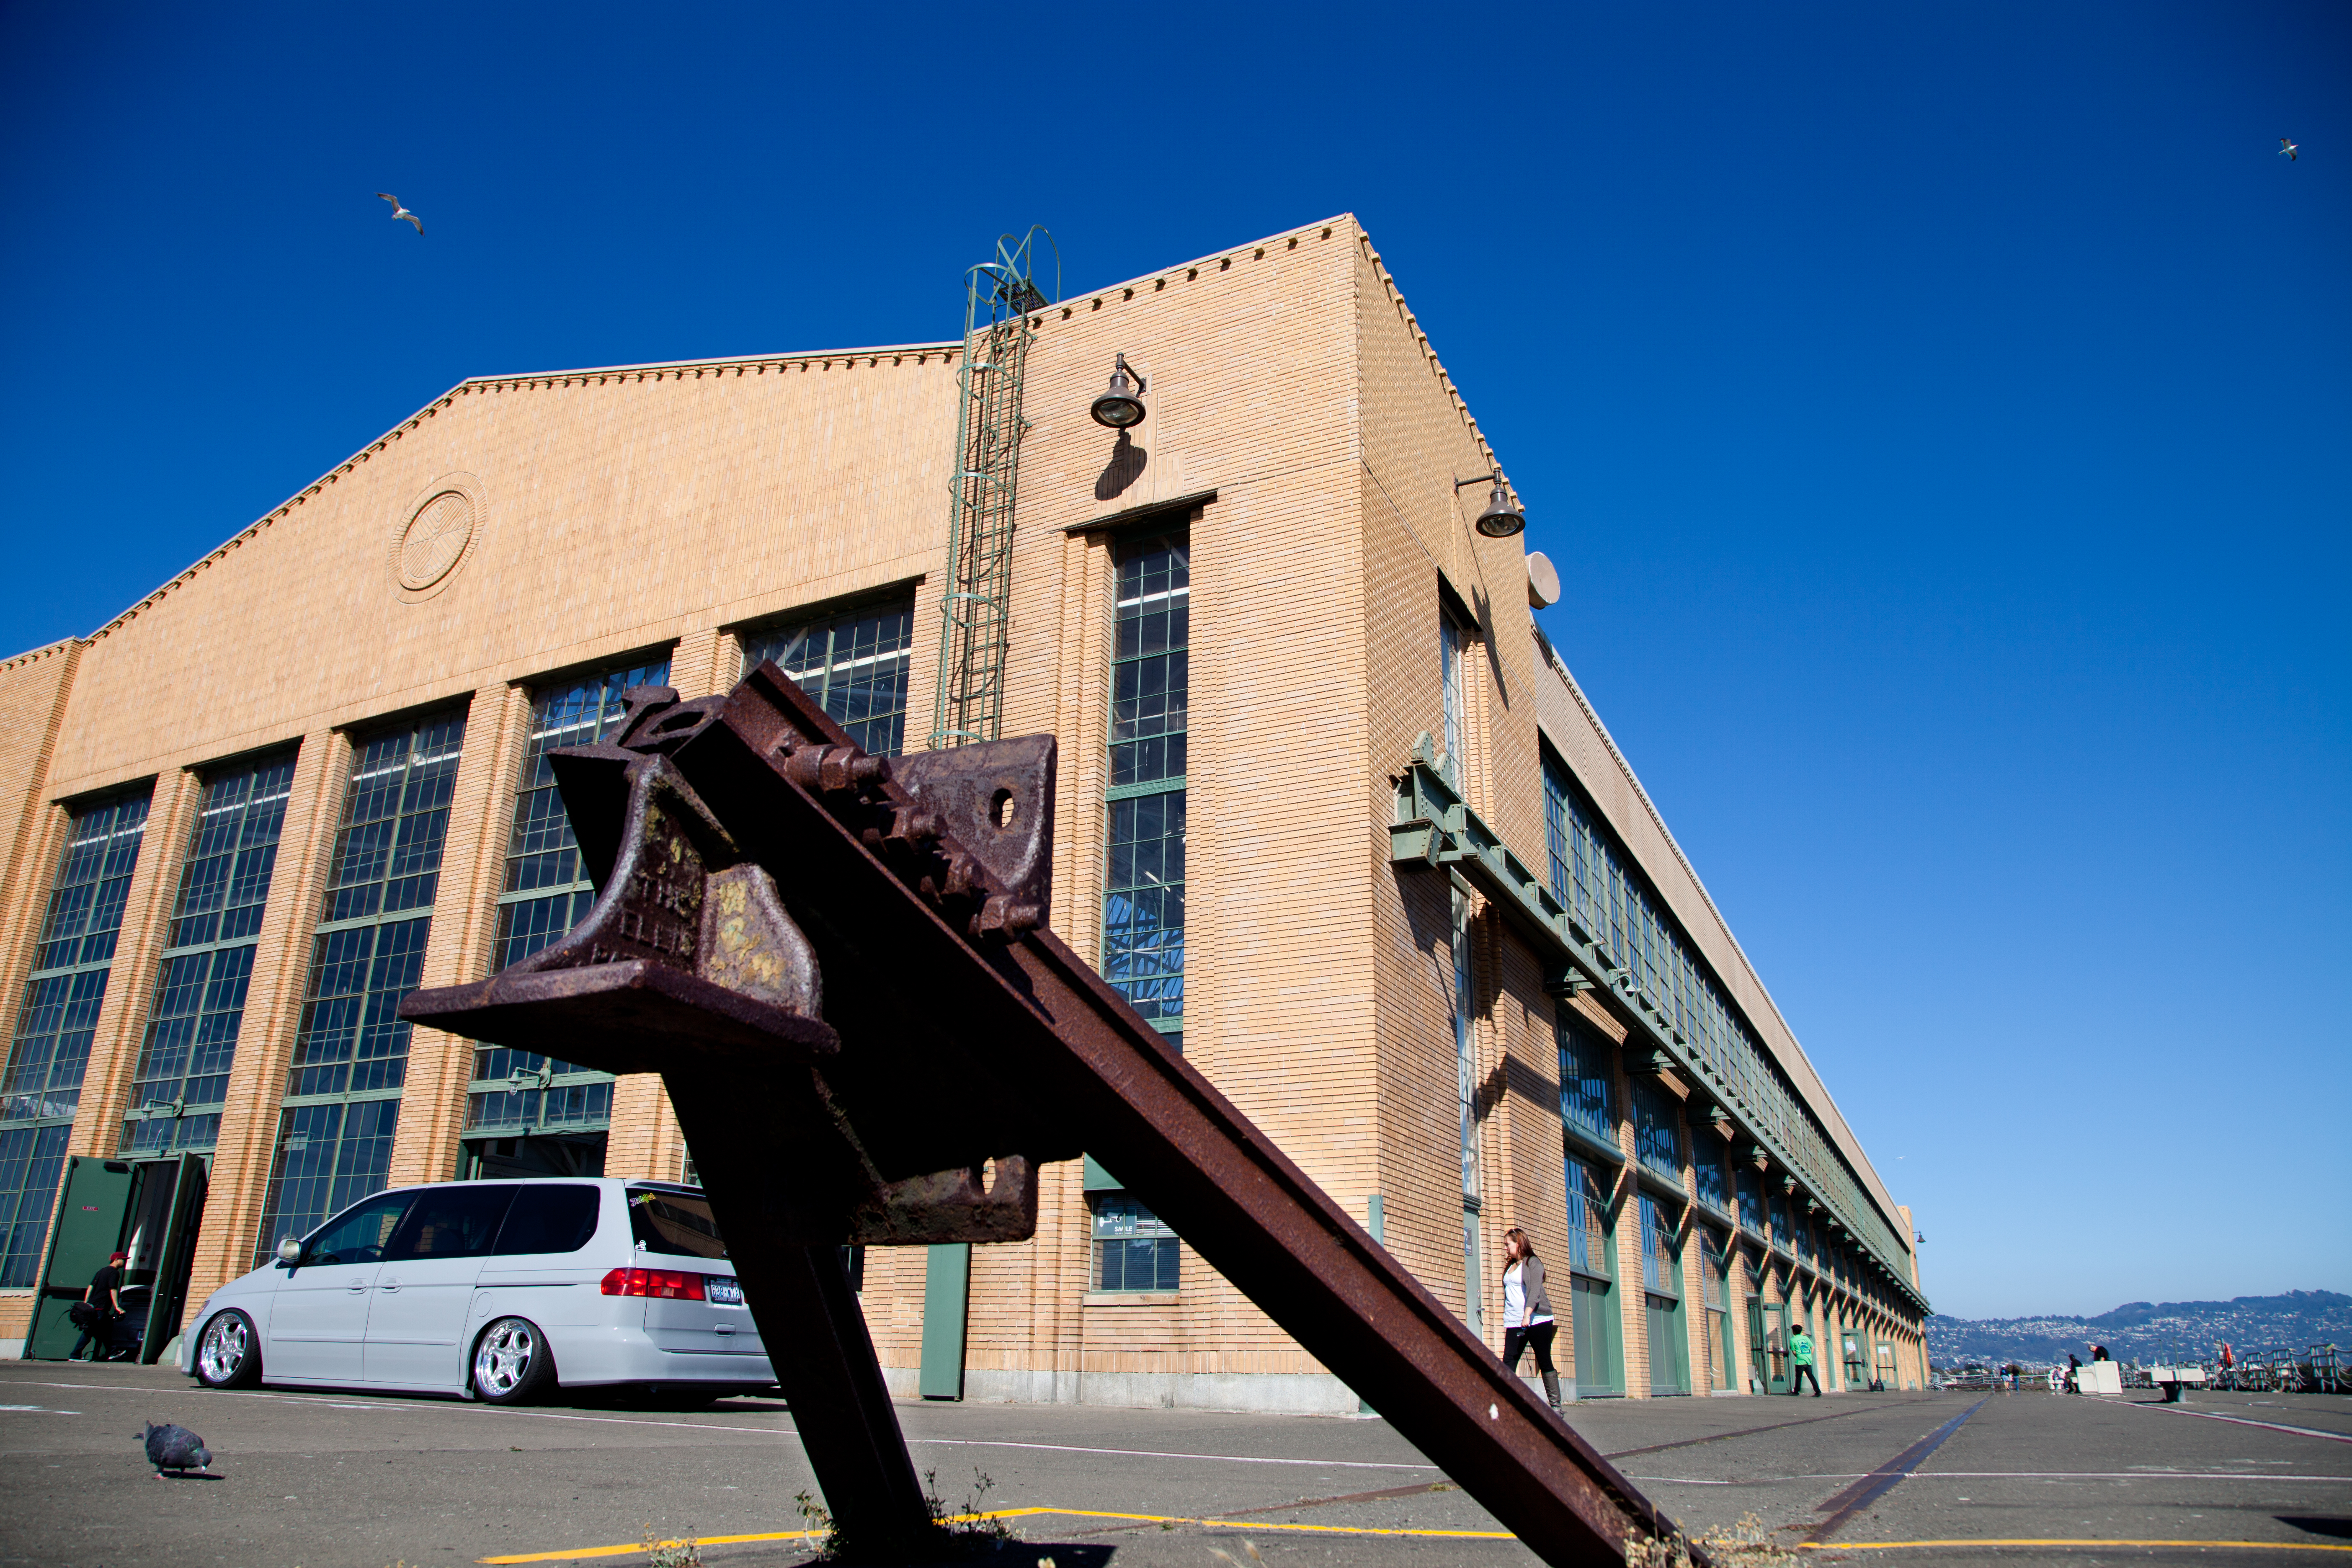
(966, 1531)
(660, 1553)
(819, 1531)
(966, 1528)
(1230, 1560)
(1743, 1545)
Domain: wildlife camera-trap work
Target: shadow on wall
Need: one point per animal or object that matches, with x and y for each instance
(1126, 467)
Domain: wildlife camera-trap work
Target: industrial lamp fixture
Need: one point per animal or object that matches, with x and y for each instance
(1121, 406)
(1502, 517)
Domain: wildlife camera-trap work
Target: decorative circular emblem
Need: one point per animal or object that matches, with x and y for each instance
(436, 540)
(438, 529)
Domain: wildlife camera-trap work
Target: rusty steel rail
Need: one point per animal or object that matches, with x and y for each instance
(840, 967)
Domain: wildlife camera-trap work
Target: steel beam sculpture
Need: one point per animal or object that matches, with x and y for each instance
(840, 965)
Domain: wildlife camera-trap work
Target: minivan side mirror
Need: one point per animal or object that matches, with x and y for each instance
(289, 1252)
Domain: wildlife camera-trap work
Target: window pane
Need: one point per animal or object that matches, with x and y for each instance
(855, 664)
(549, 1216)
(678, 1223)
(1134, 1250)
(329, 1157)
(542, 855)
(31, 1160)
(451, 1222)
(1586, 1074)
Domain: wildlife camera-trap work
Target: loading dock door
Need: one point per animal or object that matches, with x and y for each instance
(173, 1191)
(148, 1208)
(90, 1225)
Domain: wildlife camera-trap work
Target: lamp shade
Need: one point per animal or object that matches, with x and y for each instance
(1122, 405)
(1501, 518)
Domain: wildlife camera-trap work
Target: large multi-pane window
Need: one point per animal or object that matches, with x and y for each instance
(545, 893)
(1752, 1200)
(854, 664)
(351, 1045)
(1143, 900)
(547, 890)
(1465, 1096)
(41, 1086)
(1657, 1130)
(1612, 906)
(1134, 1248)
(1706, 1171)
(181, 1084)
(1453, 654)
(1586, 1071)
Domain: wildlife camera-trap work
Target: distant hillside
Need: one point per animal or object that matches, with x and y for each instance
(2151, 1330)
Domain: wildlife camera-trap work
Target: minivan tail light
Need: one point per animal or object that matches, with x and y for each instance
(664, 1283)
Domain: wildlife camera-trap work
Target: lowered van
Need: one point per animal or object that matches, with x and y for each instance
(493, 1290)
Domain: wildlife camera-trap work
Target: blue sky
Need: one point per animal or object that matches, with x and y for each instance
(1939, 415)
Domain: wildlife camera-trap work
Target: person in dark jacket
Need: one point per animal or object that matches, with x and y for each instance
(105, 1301)
(1528, 1321)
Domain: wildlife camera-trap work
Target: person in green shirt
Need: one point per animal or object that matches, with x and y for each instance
(1801, 1359)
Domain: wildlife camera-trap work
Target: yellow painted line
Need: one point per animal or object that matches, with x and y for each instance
(581, 1552)
(2233, 1546)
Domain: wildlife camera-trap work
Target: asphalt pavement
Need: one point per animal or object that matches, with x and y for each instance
(332, 1479)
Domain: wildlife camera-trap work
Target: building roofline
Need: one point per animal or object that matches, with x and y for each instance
(1869, 1168)
(658, 369)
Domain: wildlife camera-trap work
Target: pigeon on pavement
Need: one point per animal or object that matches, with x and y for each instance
(399, 212)
(174, 1448)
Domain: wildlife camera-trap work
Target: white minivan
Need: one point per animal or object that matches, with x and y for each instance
(496, 1291)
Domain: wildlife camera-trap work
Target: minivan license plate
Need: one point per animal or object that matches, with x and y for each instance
(725, 1291)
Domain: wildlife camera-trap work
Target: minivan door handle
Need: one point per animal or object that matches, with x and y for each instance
(357, 1290)
(390, 1285)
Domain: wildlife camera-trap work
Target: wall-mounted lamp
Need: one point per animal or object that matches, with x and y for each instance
(1121, 406)
(1502, 517)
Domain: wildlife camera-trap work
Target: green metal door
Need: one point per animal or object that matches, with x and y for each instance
(1767, 1332)
(947, 1298)
(1592, 1310)
(89, 1227)
(1669, 1348)
(170, 1254)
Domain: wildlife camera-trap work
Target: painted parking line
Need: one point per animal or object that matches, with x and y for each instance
(2249, 1421)
(1992, 1475)
(1154, 1454)
(578, 1553)
(2039, 1541)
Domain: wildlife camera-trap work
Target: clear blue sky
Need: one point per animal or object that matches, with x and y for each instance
(1939, 413)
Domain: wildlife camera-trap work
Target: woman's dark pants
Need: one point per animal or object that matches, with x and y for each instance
(1537, 1338)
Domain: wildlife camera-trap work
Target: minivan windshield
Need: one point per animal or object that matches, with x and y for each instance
(675, 1222)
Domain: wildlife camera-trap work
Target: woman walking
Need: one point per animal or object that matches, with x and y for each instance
(1526, 1311)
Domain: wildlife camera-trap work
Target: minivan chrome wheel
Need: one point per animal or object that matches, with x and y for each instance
(511, 1361)
(226, 1356)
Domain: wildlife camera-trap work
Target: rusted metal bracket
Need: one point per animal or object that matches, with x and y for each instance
(840, 967)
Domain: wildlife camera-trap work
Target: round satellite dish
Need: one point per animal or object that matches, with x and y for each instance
(1543, 580)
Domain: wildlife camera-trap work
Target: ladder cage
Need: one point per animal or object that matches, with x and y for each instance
(976, 610)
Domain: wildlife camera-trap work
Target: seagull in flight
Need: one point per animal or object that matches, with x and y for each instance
(2287, 149)
(399, 212)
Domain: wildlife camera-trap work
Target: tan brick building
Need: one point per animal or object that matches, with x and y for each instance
(1430, 933)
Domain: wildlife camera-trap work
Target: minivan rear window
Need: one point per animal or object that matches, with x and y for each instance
(549, 1216)
(675, 1222)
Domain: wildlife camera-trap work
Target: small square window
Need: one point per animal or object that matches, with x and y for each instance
(1134, 1250)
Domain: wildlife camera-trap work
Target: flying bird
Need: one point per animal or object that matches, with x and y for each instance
(2287, 149)
(171, 1448)
(399, 212)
